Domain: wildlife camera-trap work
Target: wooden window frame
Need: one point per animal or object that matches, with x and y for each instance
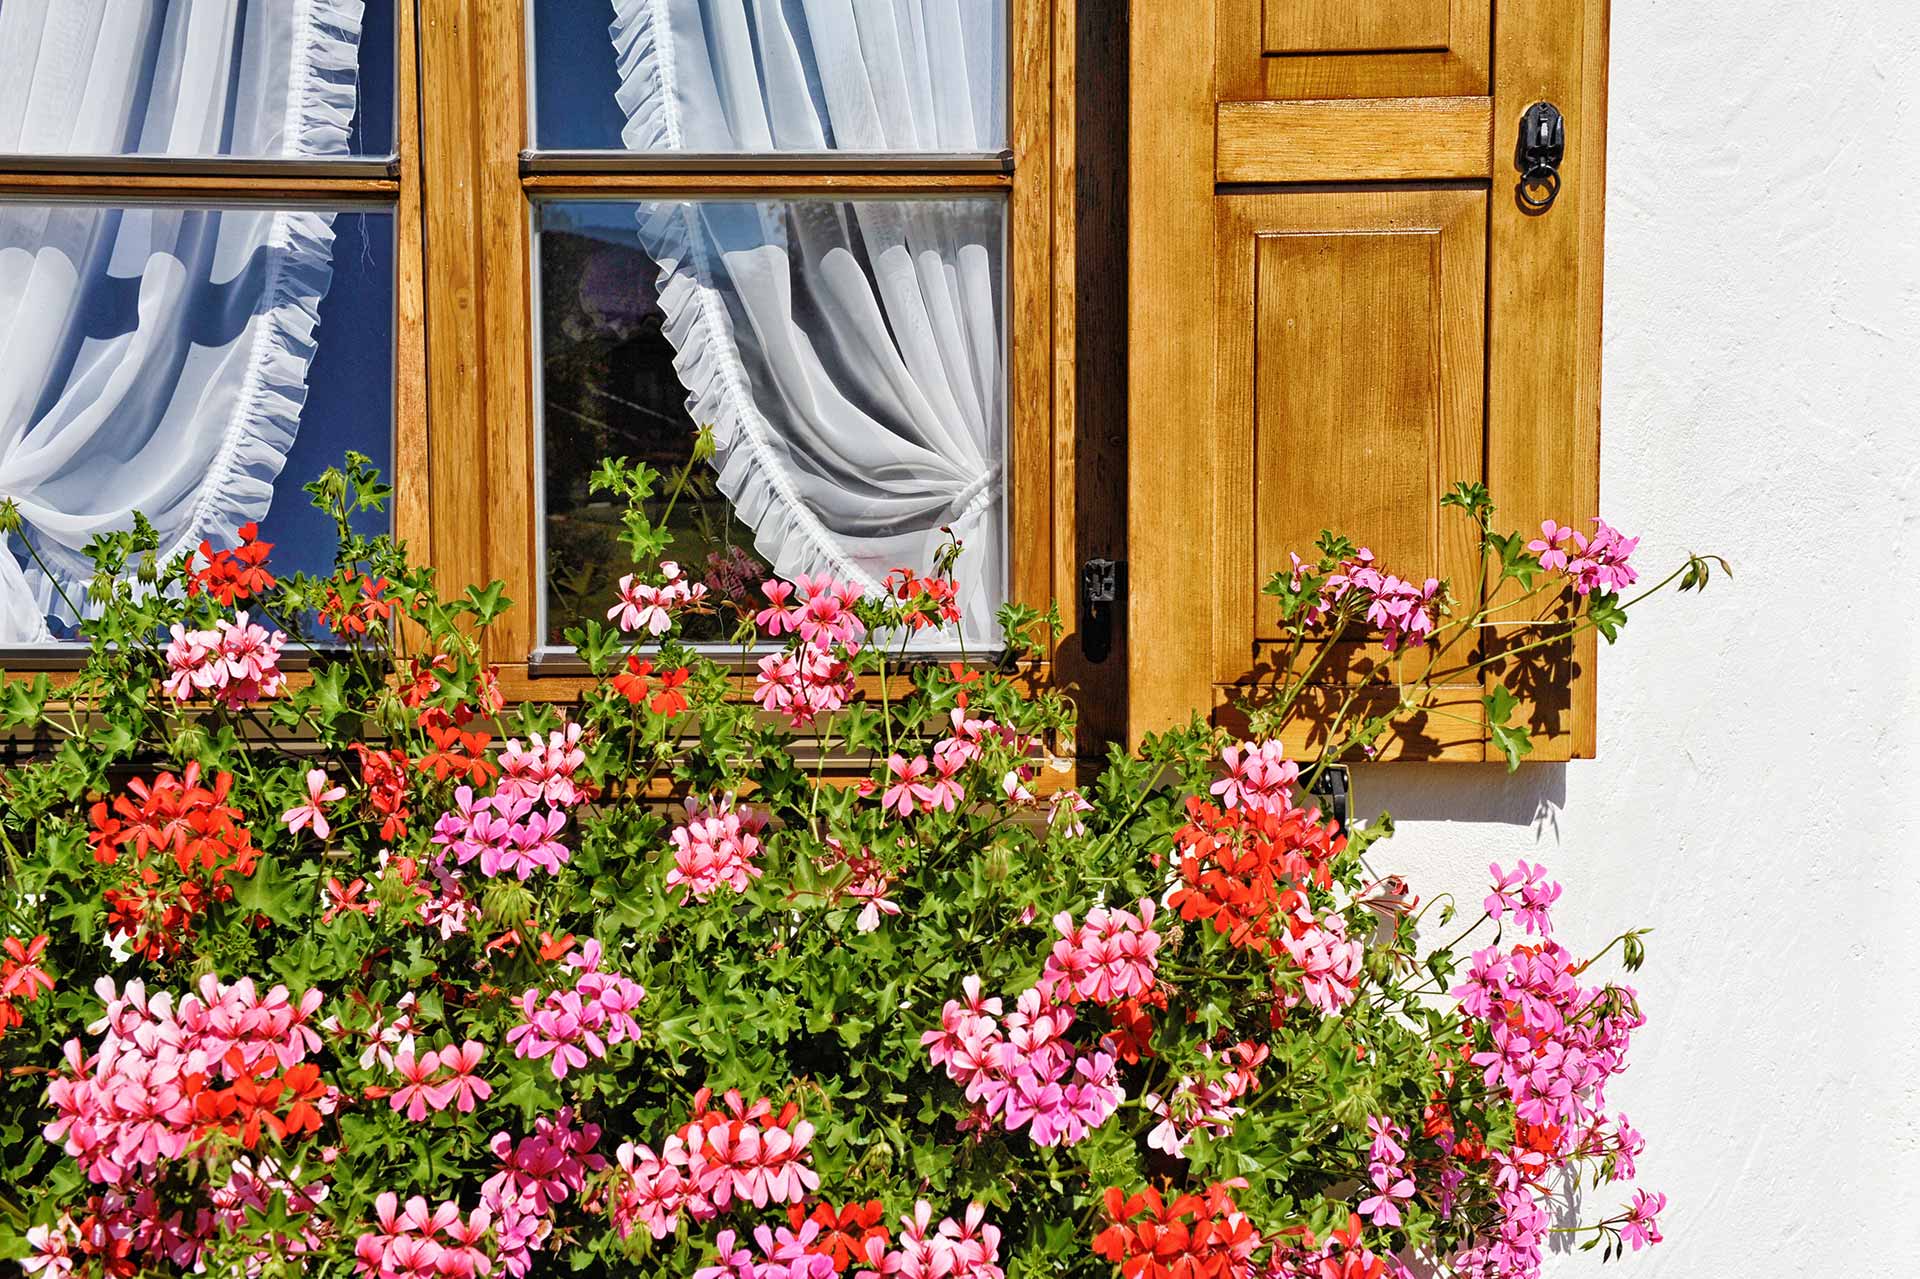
(460, 194)
(480, 179)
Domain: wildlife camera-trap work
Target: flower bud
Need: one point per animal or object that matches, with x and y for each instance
(997, 864)
(189, 741)
(391, 890)
(9, 515)
(391, 713)
(149, 570)
(704, 444)
(506, 903)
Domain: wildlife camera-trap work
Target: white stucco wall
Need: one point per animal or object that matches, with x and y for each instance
(1755, 792)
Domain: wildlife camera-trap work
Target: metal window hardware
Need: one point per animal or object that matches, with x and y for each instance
(1543, 144)
(1331, 793)
(1101, 585)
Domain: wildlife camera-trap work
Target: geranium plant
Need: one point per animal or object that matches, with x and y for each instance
(1532, 596)
(795, 961)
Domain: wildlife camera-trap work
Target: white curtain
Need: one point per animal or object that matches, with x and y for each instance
(154, 358)
(850, 356)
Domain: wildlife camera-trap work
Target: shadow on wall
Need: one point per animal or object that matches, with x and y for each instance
(1532, 797)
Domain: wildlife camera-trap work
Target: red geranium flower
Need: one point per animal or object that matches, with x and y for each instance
(237, 575)
(1244, 869)
(632, 682)
(670, 701)
(844, 1232)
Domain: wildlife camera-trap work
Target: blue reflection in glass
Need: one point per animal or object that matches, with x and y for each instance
(349, 394)
(575, 77)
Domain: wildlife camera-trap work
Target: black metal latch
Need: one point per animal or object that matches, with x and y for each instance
(1100, 589)
(1331, 792)
(1543, 144)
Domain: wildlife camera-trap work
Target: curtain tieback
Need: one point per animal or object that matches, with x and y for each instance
(976, 498)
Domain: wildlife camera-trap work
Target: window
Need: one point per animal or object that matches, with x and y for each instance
(197, 278)
(845, 357)
(560, 229)
(825, 241)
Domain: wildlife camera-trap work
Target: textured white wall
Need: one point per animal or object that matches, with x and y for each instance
(1755, 792)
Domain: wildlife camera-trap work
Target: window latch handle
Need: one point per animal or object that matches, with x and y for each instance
(1101, 586)
(1543, 144)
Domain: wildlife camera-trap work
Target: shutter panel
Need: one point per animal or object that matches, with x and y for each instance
(1339, 308)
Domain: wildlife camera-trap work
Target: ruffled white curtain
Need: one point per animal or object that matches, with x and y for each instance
(153, 358)
(849, 356)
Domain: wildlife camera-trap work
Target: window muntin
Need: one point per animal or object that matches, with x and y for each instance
(848, 357)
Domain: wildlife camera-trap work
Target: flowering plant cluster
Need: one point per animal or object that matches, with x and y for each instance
(1533, 597)
(804, 960)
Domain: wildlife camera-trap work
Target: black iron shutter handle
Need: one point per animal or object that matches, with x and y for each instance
(1543, 144)
(1102, 584)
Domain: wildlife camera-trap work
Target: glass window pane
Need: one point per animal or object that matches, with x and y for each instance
(848, 358)
(269, 81)
(747, 76)
(198, 365)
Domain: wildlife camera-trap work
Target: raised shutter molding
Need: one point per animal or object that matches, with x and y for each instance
(1330, 269)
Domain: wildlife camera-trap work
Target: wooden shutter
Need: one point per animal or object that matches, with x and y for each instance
(1339, 308)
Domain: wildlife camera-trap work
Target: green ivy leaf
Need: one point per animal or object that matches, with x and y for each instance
(1513, 743)
(1510, 739)
(1473, 498)
(488, 602)
(268, 891)
(1606, 614)
(22, 701)
(1517, 563)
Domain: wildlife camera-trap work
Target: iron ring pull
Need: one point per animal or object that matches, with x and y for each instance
(1544, 177)
(1543, 144)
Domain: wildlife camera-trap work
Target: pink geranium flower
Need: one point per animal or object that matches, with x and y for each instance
(1390, 1191)
(1259, 776)
(640, 608)
(1524, 892)
(1329, 962)
(314, 812)
(649, 608)
(1108, 958)
(421, 1094)
(907, 793)
(466, 1088)
(824, 613)
(1551, 545)
(1600, 562)
(777, 618)
(718, 846)
(1642, 1228)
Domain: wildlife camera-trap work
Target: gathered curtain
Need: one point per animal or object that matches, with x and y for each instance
(849, 356)
(155, 358)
